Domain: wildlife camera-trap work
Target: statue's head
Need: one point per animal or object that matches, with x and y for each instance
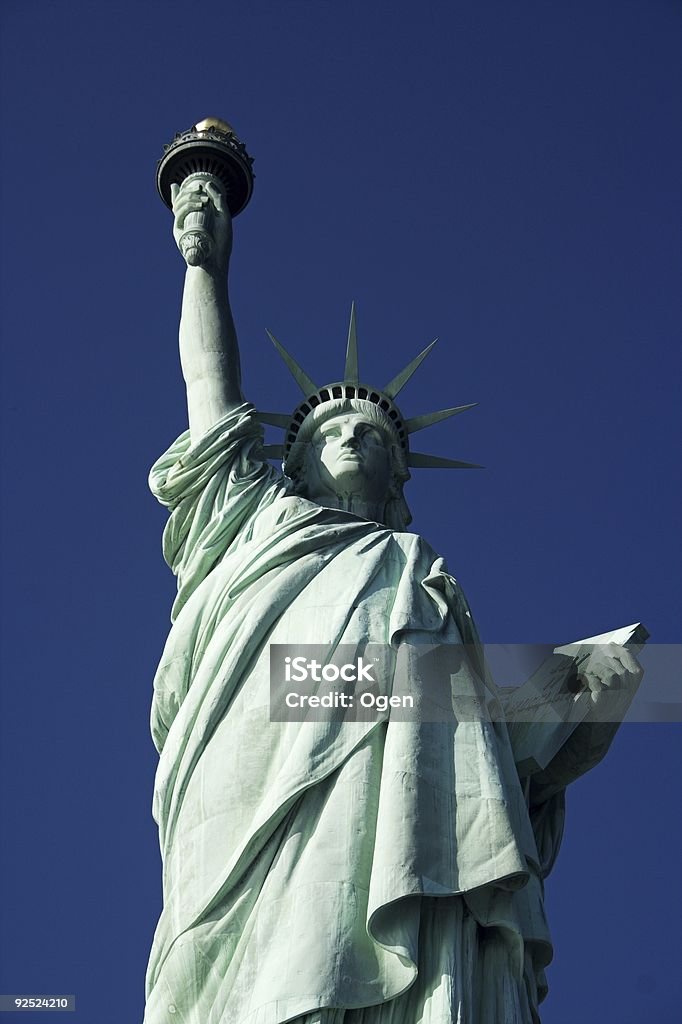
(350, 441)
(349, 448)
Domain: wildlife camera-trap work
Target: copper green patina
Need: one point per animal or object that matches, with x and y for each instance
(358, 871)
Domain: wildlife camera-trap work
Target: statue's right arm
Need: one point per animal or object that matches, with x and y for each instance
(209, 352)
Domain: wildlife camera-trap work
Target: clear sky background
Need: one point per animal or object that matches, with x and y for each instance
(502, 175)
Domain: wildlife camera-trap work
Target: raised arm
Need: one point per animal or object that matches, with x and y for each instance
(209, 353)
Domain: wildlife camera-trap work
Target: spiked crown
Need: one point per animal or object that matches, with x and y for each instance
(352, 387)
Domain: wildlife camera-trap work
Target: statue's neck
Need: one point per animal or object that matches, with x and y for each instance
(375, 513)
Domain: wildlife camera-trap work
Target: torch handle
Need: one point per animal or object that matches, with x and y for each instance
(196, 241)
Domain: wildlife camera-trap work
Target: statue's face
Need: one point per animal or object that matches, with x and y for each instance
(348, 456)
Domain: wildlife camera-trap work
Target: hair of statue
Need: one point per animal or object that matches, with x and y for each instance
(397, 515)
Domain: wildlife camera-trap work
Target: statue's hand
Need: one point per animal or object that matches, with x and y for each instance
(611, 675)
(200, 208)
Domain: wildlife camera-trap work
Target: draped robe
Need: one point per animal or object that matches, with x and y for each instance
(327, 870)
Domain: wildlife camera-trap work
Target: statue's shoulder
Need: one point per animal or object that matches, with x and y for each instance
(414, 543)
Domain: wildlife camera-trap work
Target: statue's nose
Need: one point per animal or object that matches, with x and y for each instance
(350, 441)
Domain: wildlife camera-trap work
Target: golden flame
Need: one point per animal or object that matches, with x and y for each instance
(213, 122)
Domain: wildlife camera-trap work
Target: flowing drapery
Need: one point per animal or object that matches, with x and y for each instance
(309, 865)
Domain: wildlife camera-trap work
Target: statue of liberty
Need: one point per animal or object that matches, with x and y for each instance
(331, 871)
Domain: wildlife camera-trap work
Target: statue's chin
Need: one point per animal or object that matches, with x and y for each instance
(345, 484)
(350, 480)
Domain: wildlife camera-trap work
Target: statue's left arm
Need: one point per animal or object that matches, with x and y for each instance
(571, 734)
(609, 679)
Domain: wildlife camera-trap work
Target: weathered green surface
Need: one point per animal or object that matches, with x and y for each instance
(286, 845)
(357, 871)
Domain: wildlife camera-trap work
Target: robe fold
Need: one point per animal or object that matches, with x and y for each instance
(308, 866)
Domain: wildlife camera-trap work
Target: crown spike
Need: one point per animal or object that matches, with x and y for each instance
(419, 422)
(418, 461)
(273, 451)
(307, 386)
(351, 371)
(399, 382)
(274, 419)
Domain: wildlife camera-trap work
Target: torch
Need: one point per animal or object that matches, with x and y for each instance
(208, 151)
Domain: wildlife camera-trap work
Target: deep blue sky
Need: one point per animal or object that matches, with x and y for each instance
(503, 175)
